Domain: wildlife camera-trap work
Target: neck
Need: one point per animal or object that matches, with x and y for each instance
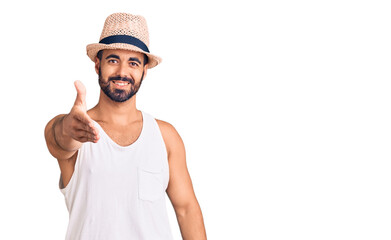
(119, 113)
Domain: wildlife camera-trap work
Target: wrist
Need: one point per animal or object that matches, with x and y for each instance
(58, 131)
(61, 126)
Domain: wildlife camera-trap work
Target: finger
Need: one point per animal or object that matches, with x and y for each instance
(85, 122)
(84, 139)
(85, 135)
(82, 123)
(84, 118)
(95, 131)
(81, 93)
(83, 127)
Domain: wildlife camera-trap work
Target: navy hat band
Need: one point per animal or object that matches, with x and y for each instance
(125, 39)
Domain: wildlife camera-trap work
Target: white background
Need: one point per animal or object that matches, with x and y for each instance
(283, 106)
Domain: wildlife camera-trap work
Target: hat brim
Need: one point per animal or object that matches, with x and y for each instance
(94, 48)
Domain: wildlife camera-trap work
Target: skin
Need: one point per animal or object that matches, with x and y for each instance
(122, 121)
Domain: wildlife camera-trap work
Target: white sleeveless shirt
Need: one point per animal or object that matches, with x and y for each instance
(117, 192)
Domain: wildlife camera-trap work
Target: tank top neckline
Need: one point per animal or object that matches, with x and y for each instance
(113, 143)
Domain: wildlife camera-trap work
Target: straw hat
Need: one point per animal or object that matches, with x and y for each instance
(124, 31)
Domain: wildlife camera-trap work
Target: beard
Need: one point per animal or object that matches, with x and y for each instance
(119, 95)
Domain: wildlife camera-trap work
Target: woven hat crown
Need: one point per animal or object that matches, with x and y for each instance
(126, 24)
(124, 31)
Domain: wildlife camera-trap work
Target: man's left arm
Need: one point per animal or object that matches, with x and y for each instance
(180, 188)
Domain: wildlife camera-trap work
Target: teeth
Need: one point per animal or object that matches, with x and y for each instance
(121, 84)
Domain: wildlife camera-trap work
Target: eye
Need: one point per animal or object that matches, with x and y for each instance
(134, 64)
(112, 61)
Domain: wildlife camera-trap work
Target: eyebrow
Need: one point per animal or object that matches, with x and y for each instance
(130, 59)
(112, 56)
(134, 59)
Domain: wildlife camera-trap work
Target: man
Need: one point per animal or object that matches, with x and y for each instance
(116, 161)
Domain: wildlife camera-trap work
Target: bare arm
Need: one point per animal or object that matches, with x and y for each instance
(59, 145)
(180, 189)
(65, 133)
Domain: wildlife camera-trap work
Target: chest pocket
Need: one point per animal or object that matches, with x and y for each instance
(150, 184)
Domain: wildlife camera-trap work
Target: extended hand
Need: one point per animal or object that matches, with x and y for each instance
(77, 124)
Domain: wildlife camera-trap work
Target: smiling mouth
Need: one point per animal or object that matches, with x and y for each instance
(120, 83)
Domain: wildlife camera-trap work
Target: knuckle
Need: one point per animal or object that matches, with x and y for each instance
(74, 126)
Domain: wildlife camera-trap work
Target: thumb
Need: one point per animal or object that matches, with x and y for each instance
(81, 93)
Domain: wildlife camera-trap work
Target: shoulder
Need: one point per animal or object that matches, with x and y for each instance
(170, 136)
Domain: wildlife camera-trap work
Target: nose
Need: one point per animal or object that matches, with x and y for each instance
(122, 70)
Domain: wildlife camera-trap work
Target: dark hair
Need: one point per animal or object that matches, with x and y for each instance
(99, 55)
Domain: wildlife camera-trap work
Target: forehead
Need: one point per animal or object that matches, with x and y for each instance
(121, 53)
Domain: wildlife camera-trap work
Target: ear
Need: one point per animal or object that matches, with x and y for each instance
(97, 65)
(145, 70)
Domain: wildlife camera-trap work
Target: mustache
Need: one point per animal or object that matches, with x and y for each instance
(119, 78)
